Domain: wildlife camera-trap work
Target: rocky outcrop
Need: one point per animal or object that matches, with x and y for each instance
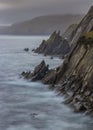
(39, 72)
(55, 45)
(26, 49)
(74, 77)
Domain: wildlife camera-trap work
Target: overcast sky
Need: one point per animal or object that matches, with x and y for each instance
(18, 10)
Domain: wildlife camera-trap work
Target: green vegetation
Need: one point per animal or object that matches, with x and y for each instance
(86, 40)
(89, 34)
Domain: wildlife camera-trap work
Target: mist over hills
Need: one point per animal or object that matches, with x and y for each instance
(42, 25)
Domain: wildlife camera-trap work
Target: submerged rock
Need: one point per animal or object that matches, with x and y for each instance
(26, 49)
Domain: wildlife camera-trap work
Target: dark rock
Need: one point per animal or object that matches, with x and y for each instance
(33, 50)
(51, 57)
(50, 77)
(51, 86)
(26, 75)
(62, 57)
(89, 112)
(39, 67)
(39, 72)
(33, 114)
(23, 73)
(68, 100)
(26, 49)
(78, 107)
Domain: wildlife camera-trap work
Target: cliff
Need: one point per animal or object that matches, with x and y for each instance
(55, 45)
(43, 25)
(75, 76)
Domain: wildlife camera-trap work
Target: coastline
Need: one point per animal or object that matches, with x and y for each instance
(74, 76)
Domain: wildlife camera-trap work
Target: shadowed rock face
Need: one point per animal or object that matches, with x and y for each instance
(75, 76)
(39, 72)
(55, 45)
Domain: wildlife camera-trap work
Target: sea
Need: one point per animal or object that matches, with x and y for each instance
(27, 105)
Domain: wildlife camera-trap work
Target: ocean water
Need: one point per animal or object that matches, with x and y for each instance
(26, 105)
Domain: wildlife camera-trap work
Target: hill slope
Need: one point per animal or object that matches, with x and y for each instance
(43, 25)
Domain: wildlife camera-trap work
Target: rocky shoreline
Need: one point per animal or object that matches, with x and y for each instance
(77, 97)
(74, 77)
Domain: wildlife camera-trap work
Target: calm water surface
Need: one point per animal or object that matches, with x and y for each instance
(28, 105)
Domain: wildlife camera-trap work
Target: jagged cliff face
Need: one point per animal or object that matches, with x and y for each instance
(76, 73)
(55, 45)
(80, 58)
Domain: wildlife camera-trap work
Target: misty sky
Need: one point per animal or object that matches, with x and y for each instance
(18, 10)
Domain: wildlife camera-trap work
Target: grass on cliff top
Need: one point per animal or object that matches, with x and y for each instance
(87, 40)
(89, 34)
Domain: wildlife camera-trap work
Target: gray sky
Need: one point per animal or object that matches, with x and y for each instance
(18, 10)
